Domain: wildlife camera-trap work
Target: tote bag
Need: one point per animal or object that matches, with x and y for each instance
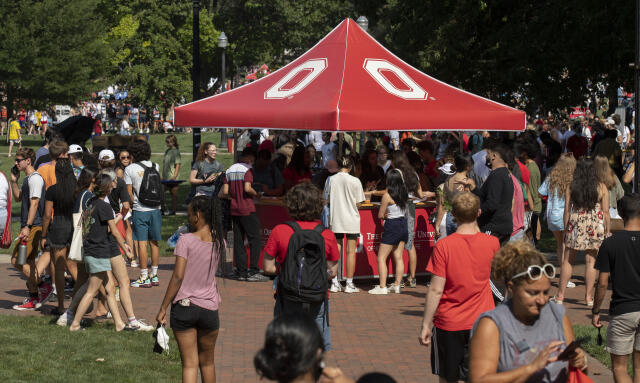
(7, 234)
(75, 249)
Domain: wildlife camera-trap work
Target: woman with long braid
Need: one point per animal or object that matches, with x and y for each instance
(193, 292)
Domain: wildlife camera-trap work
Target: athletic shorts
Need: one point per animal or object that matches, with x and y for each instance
(450, 354)
(192, 316)
(395, 231)
(146, 225)
(623, 334)
(349, 235)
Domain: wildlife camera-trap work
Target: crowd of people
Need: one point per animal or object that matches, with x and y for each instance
(490, 287)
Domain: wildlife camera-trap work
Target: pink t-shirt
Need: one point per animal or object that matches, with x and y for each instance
(199, 282)
(517, 210)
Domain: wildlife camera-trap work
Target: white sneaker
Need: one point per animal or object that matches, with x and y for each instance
(139, 325)
(65, 319)
(335, 288)
(350, 288)
(394, 289)
(379, 290)
(134, 264)
(570, 285)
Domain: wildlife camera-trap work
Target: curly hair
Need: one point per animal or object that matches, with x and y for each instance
(514, 258)
(584, 187)
(304, 202)
(140, 150)
(561, 175)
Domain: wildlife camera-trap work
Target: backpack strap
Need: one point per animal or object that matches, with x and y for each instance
(319, 229)
(294, 225)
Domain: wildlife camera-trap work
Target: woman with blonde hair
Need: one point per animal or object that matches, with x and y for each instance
(554, 187)
(608, 177)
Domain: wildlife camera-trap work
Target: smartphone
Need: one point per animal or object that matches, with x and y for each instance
(15, 171)
(571, 348)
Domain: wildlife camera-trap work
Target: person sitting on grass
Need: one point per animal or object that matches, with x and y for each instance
(192, 291)
(99, 231)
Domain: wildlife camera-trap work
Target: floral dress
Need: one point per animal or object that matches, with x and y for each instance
(585, 229)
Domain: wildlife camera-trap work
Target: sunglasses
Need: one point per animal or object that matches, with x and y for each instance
(19, 160)
(535, 272)
(125, 157)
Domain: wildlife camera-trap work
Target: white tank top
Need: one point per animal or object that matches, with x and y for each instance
(394, 211)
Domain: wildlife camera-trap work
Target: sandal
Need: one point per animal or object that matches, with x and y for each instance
(556, 300)
(590, 304)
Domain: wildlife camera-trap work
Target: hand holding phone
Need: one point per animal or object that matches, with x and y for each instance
(571, 348)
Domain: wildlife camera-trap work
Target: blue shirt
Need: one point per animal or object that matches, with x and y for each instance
(555, 207)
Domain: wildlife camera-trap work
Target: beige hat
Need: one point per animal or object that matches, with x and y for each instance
(106, 155)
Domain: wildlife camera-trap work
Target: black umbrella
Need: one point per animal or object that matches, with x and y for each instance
(76, 129)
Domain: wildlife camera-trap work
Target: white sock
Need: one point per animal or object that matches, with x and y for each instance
(154, 270)
(335, 281)
(349, 281)
(132, 320)
(144, 273)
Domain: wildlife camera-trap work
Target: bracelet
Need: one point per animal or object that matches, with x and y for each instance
(595, 312)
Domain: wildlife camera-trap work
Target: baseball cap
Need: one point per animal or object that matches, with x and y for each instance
(74, 149)
(106, 155)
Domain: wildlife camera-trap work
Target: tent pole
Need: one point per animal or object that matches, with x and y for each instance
(235, 145)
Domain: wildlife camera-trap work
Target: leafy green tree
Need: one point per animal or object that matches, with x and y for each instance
(51, 51)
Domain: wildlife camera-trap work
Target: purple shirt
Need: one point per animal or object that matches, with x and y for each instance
(199, 282)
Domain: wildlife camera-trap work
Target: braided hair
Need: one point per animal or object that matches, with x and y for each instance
(211, 210)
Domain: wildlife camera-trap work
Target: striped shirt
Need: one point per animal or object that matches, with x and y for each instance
(235, 177)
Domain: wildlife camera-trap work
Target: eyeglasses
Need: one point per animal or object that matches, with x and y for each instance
(125, 157)
(535, 272)
(19, 159)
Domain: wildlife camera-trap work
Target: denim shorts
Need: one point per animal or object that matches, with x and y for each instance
(146, 225)
(96, 265)
(395, 231)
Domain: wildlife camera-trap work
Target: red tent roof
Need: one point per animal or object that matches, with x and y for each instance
(349, 82)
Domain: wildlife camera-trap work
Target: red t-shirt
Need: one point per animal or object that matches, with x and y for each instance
(291, 175)
(236, 176)
(464, 260)
(524, 172)
(278, 241)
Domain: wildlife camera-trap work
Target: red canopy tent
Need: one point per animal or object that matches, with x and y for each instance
(349, 82)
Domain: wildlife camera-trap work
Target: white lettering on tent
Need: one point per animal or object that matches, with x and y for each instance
(313, 68)
(375, 67)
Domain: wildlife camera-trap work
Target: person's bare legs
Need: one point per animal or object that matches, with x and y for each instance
(589, 274)
(558, 234)
(119, 270)
(351, 257)
(413, 261)
(143, 254)
(174, 198)
(206, 355)
(398, 262)
(188, 346)
(619, 365)
(155, 253)
(10, 147)
(29, 271)
(636, 366)
(60, 261)
(95, 281)
(383, 253)
(566, 272)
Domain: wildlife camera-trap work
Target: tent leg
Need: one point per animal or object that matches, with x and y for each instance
(235, 145)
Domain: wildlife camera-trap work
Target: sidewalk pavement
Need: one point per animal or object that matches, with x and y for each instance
(369, 333)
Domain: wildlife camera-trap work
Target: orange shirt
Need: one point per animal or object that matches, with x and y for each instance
(48, 172)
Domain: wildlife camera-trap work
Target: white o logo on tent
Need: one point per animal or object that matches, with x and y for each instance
(374, 68)
(314, 68)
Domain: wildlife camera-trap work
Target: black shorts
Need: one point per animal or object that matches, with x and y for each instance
(450, 354)
(60, 233)
(395, 231)
(349, 235)
(185, 318)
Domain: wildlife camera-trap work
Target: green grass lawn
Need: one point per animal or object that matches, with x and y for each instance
(169, 223)
(36, 350)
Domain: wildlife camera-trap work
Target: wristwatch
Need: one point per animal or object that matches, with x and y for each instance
(30, 226)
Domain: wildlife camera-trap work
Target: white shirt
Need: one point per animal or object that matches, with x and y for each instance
(264, 134)
(316, 140)
(345, 192)
(133, 176)
(4, 191)
(328, 153)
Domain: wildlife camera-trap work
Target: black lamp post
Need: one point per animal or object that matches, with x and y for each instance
(363, 22)
(195, 72)
(222, 44)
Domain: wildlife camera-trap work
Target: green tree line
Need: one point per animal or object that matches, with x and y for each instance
(543, 51)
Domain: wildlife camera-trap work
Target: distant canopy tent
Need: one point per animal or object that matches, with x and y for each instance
(350, 82)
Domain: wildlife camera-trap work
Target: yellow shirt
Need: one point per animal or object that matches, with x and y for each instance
(38, 117)
(14, 130)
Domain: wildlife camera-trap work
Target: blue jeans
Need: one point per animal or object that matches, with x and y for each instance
(317, 312)
(452, 226)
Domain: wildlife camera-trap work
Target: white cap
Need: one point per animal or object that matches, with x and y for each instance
(106, 155)
(610, 121)
(74, 149)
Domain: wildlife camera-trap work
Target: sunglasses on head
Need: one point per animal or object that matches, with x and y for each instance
(535, 272)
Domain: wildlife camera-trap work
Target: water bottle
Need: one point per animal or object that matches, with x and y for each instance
(22, 253)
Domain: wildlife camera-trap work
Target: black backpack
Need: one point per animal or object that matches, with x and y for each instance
(150, 193)
(303, 276)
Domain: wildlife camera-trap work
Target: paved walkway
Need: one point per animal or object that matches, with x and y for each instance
(369, 333)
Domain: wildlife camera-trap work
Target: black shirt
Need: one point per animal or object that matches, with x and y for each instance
(119, 194)
(618, 255)
(496, 197)
(97, 240)
(50, 195)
